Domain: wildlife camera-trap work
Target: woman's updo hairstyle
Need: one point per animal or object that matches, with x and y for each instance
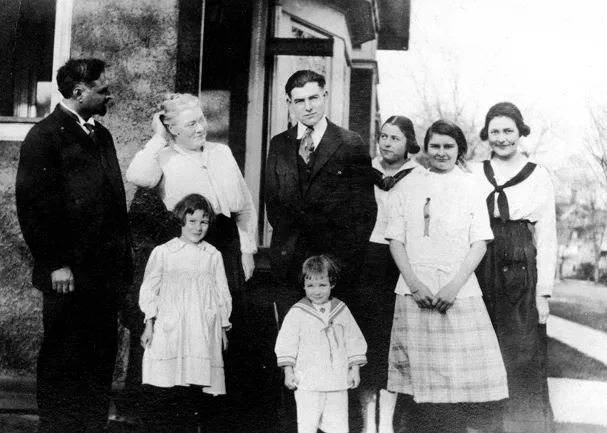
(446, 127)
(505, 109)
(406, 127)
(176, 103)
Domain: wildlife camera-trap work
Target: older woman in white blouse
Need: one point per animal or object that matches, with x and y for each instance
(180, 161)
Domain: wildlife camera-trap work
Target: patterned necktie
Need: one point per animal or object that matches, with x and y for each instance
(92, 133)
(306, 146)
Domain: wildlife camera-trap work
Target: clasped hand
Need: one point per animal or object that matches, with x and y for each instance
(442, 301)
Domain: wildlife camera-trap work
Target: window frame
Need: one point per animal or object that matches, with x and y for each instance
(14, 128)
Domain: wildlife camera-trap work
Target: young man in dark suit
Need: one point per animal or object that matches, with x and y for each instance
(72, 211)
(319, 195)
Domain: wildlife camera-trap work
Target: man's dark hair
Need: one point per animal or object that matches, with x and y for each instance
(77, 71)
(303, 77)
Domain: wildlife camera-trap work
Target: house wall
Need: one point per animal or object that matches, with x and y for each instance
(138, 40)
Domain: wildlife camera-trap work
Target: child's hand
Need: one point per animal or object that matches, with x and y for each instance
(148, 334)
(224, 338)
(354, 376)
(291, 381)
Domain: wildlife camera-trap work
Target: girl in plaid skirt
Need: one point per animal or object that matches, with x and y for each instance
(443, 347)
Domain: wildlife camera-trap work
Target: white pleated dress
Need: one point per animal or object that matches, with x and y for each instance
(186, 291)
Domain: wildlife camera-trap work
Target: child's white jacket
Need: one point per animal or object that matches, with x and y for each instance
(320, 353)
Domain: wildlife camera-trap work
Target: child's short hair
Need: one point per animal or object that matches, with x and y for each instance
(190, 204)
(316, 266)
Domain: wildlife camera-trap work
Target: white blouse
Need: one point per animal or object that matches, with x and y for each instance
(458, 218)
(533, 200)
(381, 197)
(214, 174)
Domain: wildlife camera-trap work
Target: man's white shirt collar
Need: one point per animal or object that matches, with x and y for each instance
(319, 130)
(81, 121)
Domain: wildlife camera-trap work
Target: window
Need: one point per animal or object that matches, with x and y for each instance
(27, 36)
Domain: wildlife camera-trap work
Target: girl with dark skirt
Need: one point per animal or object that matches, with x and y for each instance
(517, 273)
(375, 306)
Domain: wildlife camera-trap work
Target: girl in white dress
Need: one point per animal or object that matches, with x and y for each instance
(187, 306)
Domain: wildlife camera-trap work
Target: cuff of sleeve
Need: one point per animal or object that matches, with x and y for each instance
(156, 143)
(286, 361)
(487, 237)
(543, 290)
(359, 360)
(248, 246)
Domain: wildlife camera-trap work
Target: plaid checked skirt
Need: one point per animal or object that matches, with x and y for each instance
(445, 358)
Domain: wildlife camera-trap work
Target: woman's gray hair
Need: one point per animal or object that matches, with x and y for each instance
(176, 103)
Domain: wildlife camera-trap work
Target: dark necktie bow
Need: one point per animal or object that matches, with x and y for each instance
(502, 200)
(386, 183)
(91, 129)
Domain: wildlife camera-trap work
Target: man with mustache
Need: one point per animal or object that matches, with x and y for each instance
(319, 193)
(72, 211)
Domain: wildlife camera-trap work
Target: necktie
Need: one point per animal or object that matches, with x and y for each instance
(307, 145)
(92, 133)
(502, 200)
(387, 182)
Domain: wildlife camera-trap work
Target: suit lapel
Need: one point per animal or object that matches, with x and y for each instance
(101, 150)
(289, 156)
(70, 124)
(325, 149)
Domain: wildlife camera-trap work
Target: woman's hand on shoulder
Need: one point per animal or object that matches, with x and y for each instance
(158, 127)
(543, 309)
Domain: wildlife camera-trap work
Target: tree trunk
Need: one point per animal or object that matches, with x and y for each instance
(596, 273)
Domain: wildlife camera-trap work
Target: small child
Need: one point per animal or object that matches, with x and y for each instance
(187, 306)
(321, 349)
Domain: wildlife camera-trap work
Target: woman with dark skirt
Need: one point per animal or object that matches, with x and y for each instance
(517, 273)
(375, 306)
(177, 161)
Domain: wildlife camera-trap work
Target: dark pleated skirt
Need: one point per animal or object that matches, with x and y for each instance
(508, 277)
(373, 309)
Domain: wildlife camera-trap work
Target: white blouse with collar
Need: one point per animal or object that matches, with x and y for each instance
(214, 174)
(533, 200)
(381, 197)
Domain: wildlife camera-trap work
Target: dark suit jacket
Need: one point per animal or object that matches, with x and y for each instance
(71, 203)
(337, 210)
